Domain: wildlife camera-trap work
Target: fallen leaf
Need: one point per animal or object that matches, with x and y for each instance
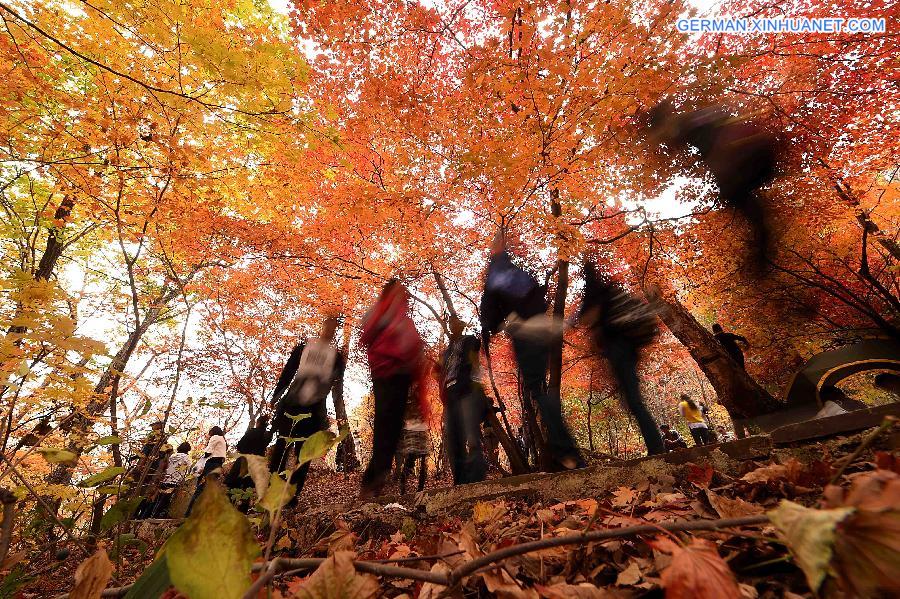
(500, 584)
(699, 475)
(210, 555)
(809, 534)
(484, 511)
(867, 547)
(732, 508)
(629, 576)
(337, 578)
(624, 496)
(562, 590)
(431, 590)
(765, 474)
(91, 576)
(698, 572)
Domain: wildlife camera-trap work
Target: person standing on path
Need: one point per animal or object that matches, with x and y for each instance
(216, 449)
(620, 325)
(513, 295)
(395, 352)
(464, 404)
(696, 422)
(177, 468)
(299, 401)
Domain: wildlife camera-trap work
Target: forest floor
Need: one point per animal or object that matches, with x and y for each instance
(442, 529)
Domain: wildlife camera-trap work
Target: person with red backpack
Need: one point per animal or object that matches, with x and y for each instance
(395, 351)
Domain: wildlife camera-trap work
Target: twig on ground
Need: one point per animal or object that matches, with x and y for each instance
(483, 562)
(887, 423)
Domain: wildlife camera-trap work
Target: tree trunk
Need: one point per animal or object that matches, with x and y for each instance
(78, 426)
(347, 447)
(741, 396)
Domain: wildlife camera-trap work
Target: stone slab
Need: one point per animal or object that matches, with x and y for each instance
(850, 422)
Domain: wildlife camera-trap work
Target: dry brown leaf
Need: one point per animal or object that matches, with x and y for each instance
(91, 576)
(429, 589)
(629, 576)
(867, 553)
(624, 496)
(500, 584)
(337, 578)
(698, 572)
(732, 508)
(571, 591)
(765, 474)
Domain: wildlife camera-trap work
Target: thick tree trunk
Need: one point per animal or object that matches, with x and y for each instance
(737, 391)
(347, 447)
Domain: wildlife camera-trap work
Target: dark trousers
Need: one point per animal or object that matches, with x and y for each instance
(407, 467)
(463, 411)
(391, 394)
(210, 465)
(624, 360)
(701, 435)
(532, 361)
(163, 500)
(288, 428)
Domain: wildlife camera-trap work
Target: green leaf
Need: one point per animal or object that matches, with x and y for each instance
(55, 455)
(277, 494)
(318, 444)
(120, 512)
(102, 477)
(128, 540)
(211, 554)
(809, 534)
(113, 489)
(299, 417)
(153, 582)
(108, 440)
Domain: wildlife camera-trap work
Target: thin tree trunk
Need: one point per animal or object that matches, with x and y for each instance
(347, 447)
(78, 426)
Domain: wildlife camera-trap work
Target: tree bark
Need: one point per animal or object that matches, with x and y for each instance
(79, 425)
(741, 396)
(347, 447)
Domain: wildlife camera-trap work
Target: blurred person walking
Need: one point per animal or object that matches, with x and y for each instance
(299, 401)
(620, 325)
(395, 352)
(514, 302)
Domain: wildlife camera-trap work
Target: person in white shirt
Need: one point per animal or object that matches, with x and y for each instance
(177, 467)
(215, 451)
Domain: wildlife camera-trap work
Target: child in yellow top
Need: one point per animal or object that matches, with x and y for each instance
(693, 416)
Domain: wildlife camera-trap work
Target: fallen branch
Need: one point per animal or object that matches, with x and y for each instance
(468, 568)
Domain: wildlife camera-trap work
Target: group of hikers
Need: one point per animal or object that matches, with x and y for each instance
(619, 325)
(738, 153)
